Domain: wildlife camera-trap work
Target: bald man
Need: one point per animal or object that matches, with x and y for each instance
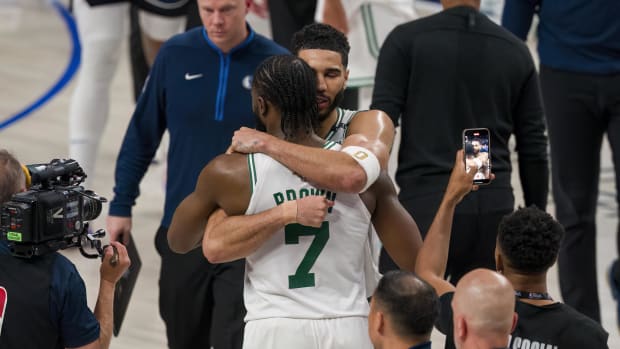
(479, 312)
(483, 310)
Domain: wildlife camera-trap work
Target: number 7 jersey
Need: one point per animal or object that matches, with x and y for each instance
(304, 272)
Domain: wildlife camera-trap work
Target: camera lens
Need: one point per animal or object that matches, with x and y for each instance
(91, 209)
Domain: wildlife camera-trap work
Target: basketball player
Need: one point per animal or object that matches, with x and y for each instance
(304, 287)
(326, 50)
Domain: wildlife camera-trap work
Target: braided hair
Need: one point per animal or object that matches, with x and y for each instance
(289, 84)
(319, 36)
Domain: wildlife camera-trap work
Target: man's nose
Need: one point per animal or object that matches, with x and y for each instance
(321, 86)
(218, 18)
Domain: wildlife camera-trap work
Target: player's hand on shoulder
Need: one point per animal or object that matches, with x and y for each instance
(248, 140)
(311, 210)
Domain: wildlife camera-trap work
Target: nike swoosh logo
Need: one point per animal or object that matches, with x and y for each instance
(189, 76)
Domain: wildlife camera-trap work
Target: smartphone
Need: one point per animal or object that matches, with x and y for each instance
(477, 149)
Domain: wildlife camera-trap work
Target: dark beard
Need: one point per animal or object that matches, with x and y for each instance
(337, 100)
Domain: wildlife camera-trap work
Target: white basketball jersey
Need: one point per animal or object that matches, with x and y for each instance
(338, 132)
(305, 272)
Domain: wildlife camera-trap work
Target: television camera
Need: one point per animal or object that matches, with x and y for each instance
(53, 213)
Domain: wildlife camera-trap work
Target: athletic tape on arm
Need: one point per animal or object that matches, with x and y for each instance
(367, 160)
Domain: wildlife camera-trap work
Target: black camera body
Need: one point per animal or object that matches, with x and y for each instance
(53, 213)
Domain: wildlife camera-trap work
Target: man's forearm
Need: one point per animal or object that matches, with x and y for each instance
(104, 312)
(185, 236)
(235, 237)
(331, 170)
(188, 225)
(535, 182)
(397, 230)
(433, 256)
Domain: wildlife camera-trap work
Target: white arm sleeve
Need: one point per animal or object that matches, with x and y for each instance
(367, 160)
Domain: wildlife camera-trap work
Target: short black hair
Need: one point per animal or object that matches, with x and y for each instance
(410, 302)
(288, 83)
(319, 36)
(530, 239)
(11, 176)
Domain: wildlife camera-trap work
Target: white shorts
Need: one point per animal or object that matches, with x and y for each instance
(109, 22)
(286, 333)
(159, 27)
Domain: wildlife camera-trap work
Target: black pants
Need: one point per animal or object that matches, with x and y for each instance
(474, 229)
(287, 17)
(580, 109)
(139, 67)
(201, 303)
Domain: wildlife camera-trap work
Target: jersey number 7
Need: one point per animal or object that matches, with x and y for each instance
(303, 277)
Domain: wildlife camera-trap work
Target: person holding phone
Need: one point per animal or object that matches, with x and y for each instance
(445, 73)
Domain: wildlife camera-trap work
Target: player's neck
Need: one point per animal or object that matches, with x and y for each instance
(394, 342)
(310, 140)
(535, 284)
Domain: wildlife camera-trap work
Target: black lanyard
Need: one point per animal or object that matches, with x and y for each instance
(533, 295)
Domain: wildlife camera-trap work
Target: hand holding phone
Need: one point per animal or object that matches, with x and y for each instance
(477, 149)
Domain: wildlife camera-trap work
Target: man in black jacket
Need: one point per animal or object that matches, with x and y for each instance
(447, 72)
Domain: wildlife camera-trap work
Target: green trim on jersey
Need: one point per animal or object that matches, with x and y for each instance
(252, 170)
(329, 145)
(334, 128)
(341, 124)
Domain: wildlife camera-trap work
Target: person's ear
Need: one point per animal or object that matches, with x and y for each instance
(515, 319)
(460, 328)
(262, 106)
(499, 262)
(380, 323)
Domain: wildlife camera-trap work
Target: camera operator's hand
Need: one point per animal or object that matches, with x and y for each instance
(112, 272)
(119, 227)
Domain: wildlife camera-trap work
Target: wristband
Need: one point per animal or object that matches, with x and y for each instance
(367, 160)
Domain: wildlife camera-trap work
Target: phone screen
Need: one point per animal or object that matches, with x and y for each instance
(477, 148)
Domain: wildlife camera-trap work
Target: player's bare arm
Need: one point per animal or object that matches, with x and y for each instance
(224, 183)
(227, 238)
(336, 171)
(373, 130)
(396, 229)
(433, 256)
